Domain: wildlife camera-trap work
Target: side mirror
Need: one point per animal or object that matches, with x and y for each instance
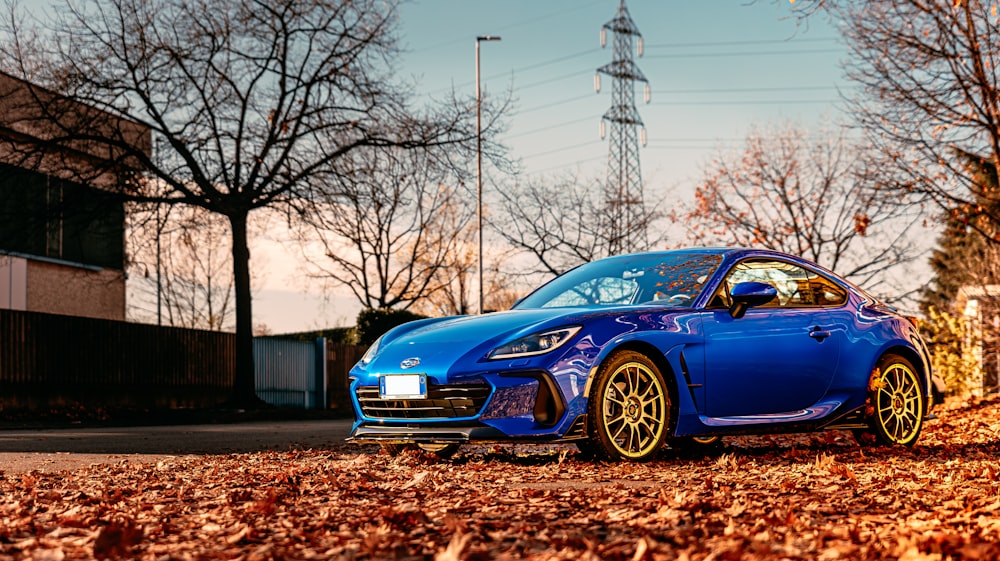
(748, 294)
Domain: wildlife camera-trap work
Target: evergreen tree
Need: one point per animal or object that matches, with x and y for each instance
(967, 252)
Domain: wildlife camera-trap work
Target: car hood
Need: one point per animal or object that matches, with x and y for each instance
(460, 343)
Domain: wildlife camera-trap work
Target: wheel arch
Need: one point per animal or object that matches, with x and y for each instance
(918, 362)
(654, 354)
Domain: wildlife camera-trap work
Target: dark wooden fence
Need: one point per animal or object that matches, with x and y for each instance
(339, 360)
(50, 361)
(53, 362)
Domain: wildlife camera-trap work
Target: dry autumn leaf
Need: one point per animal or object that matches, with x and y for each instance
(813, 496)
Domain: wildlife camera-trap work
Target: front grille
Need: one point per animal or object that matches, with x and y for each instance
(442, 402)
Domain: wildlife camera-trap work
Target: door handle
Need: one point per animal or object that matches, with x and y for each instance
(819, 333)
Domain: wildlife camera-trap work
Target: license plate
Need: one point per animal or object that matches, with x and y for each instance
(402, 386)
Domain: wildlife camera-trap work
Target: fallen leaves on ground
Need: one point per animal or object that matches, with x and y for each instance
(816, 496)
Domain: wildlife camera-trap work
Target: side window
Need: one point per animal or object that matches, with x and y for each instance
(826, 292)
(797, 287)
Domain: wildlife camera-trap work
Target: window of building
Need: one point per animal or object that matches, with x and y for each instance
(48, 217)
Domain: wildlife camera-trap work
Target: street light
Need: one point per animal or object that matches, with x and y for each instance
(479, 164)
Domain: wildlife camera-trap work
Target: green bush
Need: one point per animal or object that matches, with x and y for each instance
(373, 323)
(953, 341)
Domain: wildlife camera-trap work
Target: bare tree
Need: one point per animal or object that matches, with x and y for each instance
(183, 260)
(451, 292)
(565, 222)
(929, 92)
(251, 100)
(819, 199)
(389, 225)
(456, 295)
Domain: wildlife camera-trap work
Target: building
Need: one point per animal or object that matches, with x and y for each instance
(62, 229)
(980, 305)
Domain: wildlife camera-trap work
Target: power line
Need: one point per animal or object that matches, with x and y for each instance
(588, 71)
(748, 102)
(563, 149)
(566, 165)
(653, 141)
(464, 39)
(550, 127)
(680, 103)
(744, 42)
(555, 60)
(748, 53)
(689, 91)
(553, 104)
(750, 90)
(677, 56)
(556, 79)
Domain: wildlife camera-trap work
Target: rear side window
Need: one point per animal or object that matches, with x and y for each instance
(824, 292)
(797, 287)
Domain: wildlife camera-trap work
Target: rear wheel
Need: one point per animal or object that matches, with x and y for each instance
(629, 409)
(895, 408)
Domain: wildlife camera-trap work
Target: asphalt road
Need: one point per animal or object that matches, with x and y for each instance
(51, 450)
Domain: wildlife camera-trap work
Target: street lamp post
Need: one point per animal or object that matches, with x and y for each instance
(479, 164)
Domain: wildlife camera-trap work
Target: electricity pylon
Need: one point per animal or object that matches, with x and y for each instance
(626, 228)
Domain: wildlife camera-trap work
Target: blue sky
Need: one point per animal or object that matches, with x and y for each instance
(716, 69)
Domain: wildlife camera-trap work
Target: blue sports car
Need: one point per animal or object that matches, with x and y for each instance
(629, 354)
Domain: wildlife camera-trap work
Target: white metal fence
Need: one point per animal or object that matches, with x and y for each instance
(291, 373)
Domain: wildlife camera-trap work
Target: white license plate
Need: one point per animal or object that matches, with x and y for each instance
(402, 386)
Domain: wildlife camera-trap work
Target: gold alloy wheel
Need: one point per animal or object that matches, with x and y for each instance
(898, 403)
(634, 412)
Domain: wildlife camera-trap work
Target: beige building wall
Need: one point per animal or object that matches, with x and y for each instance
(13, 283)
(54, 288)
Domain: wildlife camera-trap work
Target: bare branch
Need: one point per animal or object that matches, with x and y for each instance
(822, 200)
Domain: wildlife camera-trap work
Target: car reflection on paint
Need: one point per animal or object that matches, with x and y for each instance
(629, 354)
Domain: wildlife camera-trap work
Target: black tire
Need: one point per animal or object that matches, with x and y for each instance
(629, 409)
(441, 450)
(895, 407)
(697, 444)
(588, 450)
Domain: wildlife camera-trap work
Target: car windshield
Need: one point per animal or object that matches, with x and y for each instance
(668, 279)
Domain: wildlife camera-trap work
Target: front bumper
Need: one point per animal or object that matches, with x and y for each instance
(496, 406)
(459, 434)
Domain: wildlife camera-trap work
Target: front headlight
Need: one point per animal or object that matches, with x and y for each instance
(534, 344)
(371, 352)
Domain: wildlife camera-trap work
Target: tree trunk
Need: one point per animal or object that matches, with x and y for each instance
(244, 386)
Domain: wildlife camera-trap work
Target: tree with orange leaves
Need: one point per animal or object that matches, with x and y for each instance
(818, 197)
(929, 92)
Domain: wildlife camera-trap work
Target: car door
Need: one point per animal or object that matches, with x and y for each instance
(779, 357)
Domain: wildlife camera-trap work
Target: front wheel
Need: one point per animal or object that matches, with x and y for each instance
(629, 408)
(895, 408)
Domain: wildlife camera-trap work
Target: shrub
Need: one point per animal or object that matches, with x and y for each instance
(373, 323)
(954, 343)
